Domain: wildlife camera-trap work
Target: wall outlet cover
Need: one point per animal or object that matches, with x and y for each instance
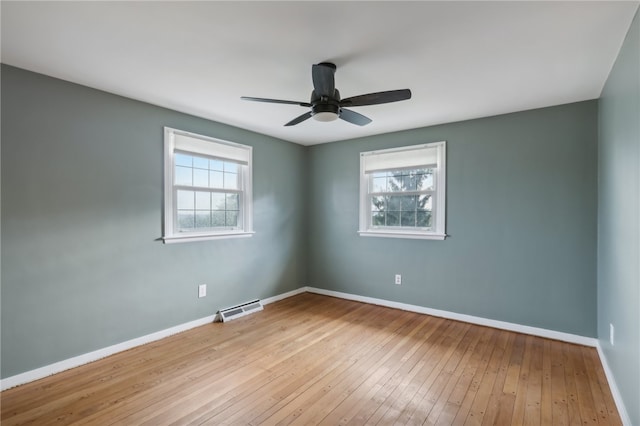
(612, 331)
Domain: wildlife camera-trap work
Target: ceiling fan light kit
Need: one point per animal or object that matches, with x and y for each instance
(325, 116)
(326, 104)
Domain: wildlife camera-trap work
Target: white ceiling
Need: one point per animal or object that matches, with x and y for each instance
(461, 60)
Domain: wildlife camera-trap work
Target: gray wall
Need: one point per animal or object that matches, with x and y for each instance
(521, 215)
(619, 220)
(82, 267)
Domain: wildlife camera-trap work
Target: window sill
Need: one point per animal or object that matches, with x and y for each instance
(218, 236)
(400, 234)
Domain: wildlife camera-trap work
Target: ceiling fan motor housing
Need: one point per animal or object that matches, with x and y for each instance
(324, 105)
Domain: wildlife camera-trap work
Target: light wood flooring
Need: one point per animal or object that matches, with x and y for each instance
(312, 359)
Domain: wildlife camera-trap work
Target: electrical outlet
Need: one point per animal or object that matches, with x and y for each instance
(202, 290)
(398, 279)
(612, 331)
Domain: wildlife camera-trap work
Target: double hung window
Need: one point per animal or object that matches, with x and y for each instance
(207, 188)
(402, 192)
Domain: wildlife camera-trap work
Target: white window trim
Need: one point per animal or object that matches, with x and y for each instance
(169, 233)
(439, 232)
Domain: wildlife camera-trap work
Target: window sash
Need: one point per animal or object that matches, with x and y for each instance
(431, 192)
(432, 211)
(176, 221)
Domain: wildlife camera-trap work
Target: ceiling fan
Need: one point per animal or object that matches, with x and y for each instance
(326, 104)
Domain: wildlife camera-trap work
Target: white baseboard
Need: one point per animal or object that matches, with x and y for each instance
(48, 370)
(617, 397)
(77, 361)
(534, 331)
(284, 295)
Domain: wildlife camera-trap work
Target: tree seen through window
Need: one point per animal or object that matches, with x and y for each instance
(402, 198)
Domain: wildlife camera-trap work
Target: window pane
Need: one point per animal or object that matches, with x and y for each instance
(216, 180)
(408, 202)
(425, 180)
(408, 218)
(230, 180)
(377, 203)
(424, 215)
(232, 201)
(423, 219)
(183, 176)
(405, 181)
(186, 219)
(394, 182)
(186, 200)
(203, 219)
(217, 201)
(183, 160)
(231, 167)
(379, 184)
(203, 201)
(217, 218)
(216, 165)
(200, 178)
(378, 219)
(393, 218)
(393, 202)
(200, 163)
(424, 202)
(232, 218)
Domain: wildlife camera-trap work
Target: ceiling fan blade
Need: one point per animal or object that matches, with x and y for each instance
(377, 98)
(275, 101)
(323, 79)
(299, 119)
(354, 117)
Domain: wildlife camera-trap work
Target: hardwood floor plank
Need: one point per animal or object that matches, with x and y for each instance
(604, 387)
(445, 409)
(478, 365)
(515, 363)
(559, 410)
(354, 359)
(402, 397)
(519, 405)
(605, 416)
(313, 359)
(571, 387)
(499, 401)
(585, 399)
(437, 391)
(546, 413)
(485, 383)
(534, 386)
(325, 404)
(383, 351)
(381, 390)
(405, 345)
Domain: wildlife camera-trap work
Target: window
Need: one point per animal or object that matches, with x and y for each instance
(402, 192)
(207, 188)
